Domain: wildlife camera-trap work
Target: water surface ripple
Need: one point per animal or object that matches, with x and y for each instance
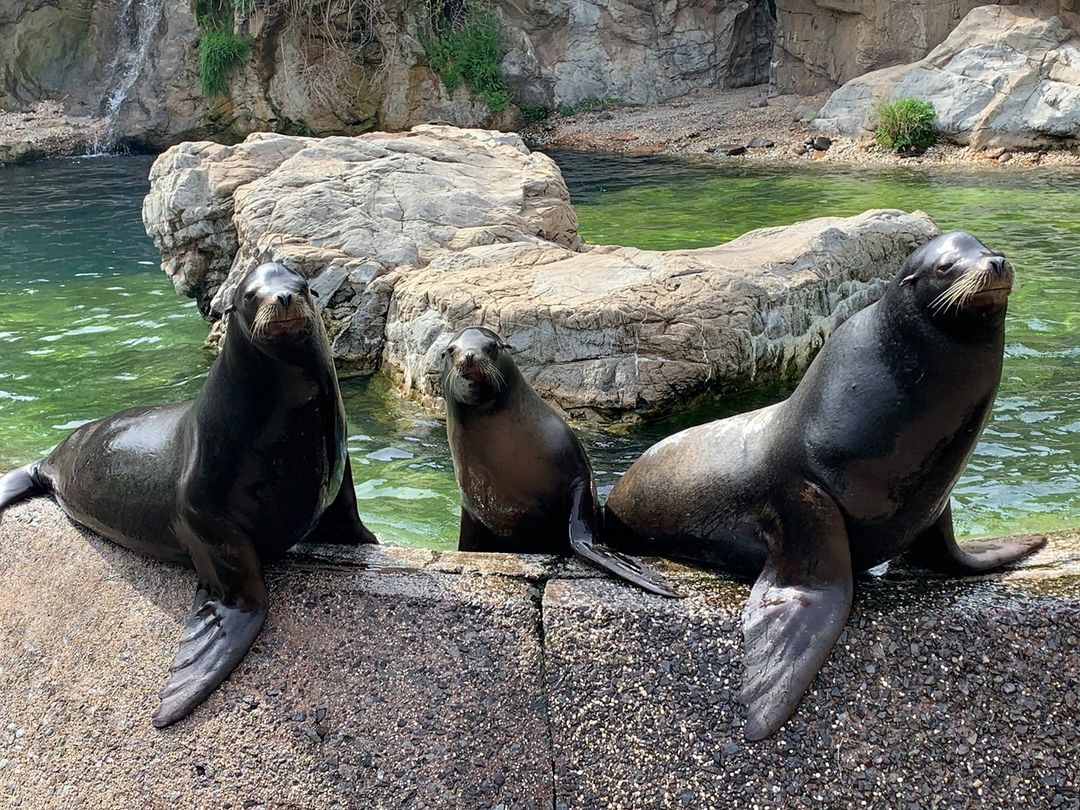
(89, 325)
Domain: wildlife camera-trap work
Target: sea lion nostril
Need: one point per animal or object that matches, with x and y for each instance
(470, 355)
(284, 298)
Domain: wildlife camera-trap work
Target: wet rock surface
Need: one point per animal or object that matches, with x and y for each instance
(391, 677)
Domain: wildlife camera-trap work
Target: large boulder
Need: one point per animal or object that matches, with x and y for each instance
(353, 213)
(616, 330)
(1008, 76)
(410, 236)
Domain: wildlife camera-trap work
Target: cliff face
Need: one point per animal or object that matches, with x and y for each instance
(820, 44)
(355, 66)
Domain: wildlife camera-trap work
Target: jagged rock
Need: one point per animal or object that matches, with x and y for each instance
(821, 143)
(760, 143)
(820, 44)
(1007, 75)
(803, 114)
(616, 330)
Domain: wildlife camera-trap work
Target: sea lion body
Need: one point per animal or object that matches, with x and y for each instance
(254, 464)
(855, 468)
(525, 479)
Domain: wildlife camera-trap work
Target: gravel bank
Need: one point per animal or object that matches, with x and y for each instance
(712, 123)
(390, 678)
(45, 131)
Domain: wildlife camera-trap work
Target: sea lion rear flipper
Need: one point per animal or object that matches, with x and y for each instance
(19, 484)
(937, 549)
(796, 611)
(340, 524)
(583, 543)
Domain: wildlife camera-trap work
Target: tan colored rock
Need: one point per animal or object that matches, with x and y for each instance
(616, 330)
(1007, 76)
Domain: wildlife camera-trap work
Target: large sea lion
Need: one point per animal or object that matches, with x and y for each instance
(255, 464)
(853, 469)
(526, 483)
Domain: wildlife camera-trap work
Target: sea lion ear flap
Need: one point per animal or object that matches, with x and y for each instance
(505, 345)
(228, 309)
(907, 279)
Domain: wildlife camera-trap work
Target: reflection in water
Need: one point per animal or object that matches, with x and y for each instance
(89, 325)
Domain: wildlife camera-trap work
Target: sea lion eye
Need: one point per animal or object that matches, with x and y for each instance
(943, 269)
(249, 295)
(449, 351)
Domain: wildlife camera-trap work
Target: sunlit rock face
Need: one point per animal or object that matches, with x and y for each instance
(1007, 76)
(409, 237)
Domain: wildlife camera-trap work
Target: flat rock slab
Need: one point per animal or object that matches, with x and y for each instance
(391, 677)
(380, 687)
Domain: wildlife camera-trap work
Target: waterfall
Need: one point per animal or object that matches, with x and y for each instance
(136, 21)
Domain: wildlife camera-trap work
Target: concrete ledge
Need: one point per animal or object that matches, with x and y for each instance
(393, 678)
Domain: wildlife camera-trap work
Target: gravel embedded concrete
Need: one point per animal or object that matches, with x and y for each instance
(394, 677)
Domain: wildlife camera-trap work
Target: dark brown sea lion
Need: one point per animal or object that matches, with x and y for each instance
(526, 483)
(853, 469)
(255, 464)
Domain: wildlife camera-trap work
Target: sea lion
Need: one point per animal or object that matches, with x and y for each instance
(853, 469)
(526, 483)
(255, 464)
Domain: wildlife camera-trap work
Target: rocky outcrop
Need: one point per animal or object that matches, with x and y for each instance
(389, 678)
(616, 330)
(1006, 76)
(820, 44)
(409, 237)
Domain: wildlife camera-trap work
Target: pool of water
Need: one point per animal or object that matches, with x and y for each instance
(89, 325)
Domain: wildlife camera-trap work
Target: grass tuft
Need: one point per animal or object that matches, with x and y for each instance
(470, 52)
(907, 123)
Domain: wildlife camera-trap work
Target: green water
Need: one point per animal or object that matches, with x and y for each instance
(88, 325)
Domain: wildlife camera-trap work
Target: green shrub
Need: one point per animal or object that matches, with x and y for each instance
(220, 51)
(470, 53)
(907, 123)
(590, 104)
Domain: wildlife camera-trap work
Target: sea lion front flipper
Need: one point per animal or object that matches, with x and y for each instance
(215, 638)
(797, 609)
(937, 549)
(229, 610)
(340, 524)
(474, 535)
(583, 518)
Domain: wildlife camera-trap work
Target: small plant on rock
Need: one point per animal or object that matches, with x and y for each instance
(466, 47)
(905, 124)
(220, 51)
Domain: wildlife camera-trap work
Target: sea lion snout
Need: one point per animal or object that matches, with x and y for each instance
(274, 302)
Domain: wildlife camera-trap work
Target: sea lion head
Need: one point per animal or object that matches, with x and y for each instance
(955, 276)
(477, 367)
(274, 308)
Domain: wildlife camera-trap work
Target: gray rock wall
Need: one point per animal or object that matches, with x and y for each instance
(559, 52)
(394, 678)
(820, 44)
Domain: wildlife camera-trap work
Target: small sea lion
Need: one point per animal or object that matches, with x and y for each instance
(526, 483)
(253, 465)
(853, 469)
